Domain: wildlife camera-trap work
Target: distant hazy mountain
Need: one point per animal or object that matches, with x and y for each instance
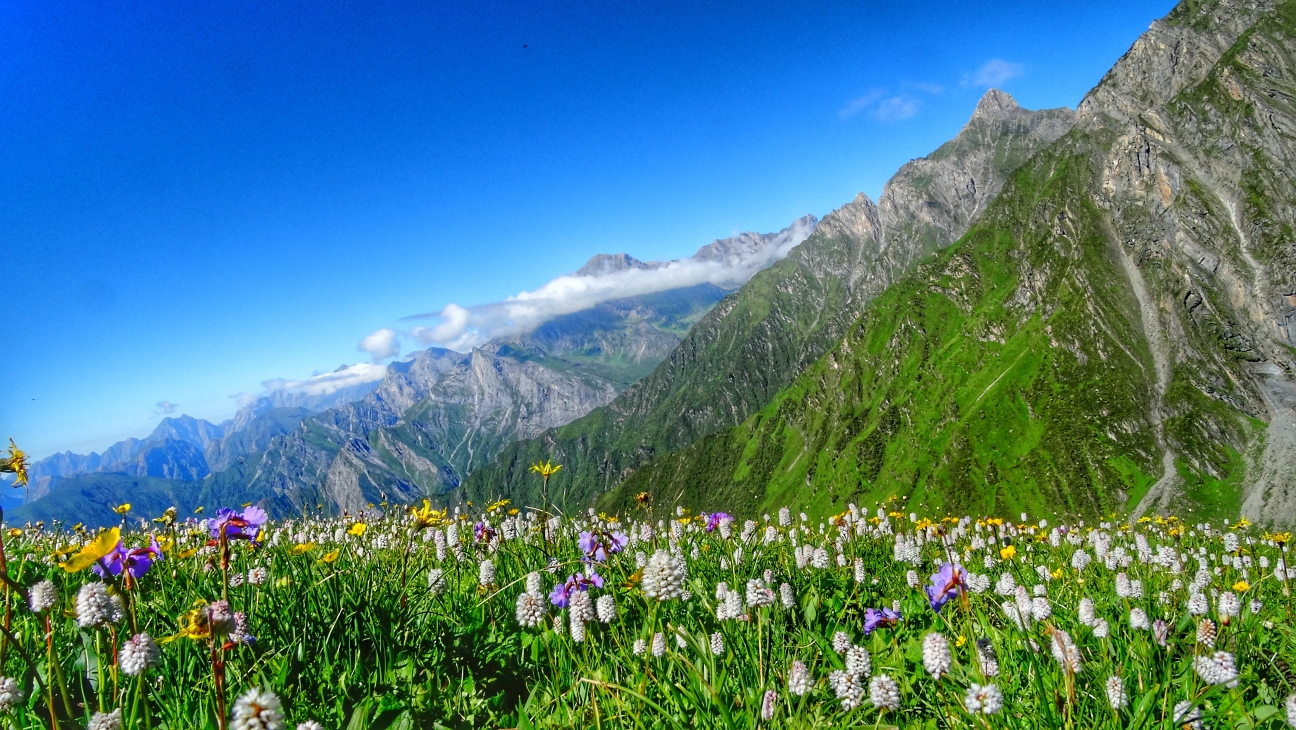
(431, 420)
(174, 450)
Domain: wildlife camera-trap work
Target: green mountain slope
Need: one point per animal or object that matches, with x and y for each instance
(756, 341)
(1114, 333)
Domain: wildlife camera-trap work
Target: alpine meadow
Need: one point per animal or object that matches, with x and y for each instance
(1011, 446)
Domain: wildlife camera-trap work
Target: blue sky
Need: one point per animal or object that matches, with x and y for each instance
(201, 197)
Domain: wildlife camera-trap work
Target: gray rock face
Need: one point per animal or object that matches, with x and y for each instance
(255, 436)
(603, 264)
(437, 417)
(1199, 125)
(930, 202)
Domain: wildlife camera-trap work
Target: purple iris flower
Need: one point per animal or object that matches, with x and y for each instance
(714, 519)
(875, 619)
(561, 593)
(135, 561)
(483, 532)
(597, 545)
(245, 525)
(592, 547)
(946, 584)
(558, 596)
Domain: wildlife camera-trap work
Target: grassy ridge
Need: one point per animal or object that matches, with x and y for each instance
(958, 386)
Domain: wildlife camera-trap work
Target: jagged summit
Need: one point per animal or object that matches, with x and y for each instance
(746, 252)
(995, 103)
(602, 264)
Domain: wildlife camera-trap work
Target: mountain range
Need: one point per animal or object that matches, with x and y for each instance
(431, 419)
(1061, 312)
(1113, 334)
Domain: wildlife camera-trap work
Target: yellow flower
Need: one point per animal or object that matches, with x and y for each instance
(62, 553)
(496, 506)
(546, 469)
(14, 532)
(514, 511)
(960, 641)
(15, 463)
(1007, 553)
(93, 551)
(122, 509)
(425, 516)
(357, 530)
(1282, 538)
(330, 557)
(193, 624)
(1241, 586)
(1241, 524)
(302, 548)
(1057, 574)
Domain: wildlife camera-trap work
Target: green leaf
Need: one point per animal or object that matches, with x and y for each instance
(360, 715)
(1264, 712)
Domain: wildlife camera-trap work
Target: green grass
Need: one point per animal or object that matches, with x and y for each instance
(348, 634)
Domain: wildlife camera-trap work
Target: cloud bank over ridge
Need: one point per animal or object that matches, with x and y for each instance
(727, 263)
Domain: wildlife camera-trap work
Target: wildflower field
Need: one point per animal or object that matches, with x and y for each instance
(505, 618)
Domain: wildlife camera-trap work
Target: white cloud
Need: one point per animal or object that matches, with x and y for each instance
(728, 266)
(326, 383)
(165, 407)
(858, 105)
(382, 344)
(895, 109)
(930, 88)
(993, 73)
(880, 107)
(245, 399)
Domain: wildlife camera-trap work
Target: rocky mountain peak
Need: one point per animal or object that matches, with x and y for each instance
(857, 218)
(609, 263)
(995, 103)
(749, 246)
